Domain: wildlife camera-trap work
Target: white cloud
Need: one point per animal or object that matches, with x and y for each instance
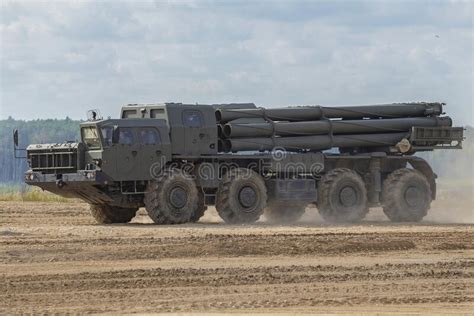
(64, 57)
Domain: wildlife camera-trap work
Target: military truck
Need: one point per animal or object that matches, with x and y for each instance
(176, 159)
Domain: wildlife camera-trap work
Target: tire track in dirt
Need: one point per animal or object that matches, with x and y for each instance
(19, 249)
(250, 288)
(209, 267)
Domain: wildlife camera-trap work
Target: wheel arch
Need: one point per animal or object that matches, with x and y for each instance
(423, 166)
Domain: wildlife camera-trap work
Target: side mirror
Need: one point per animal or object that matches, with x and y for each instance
(15, 146)
(15, 137)
(115, 135)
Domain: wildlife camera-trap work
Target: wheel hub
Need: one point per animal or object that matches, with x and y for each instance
(178, 197)
(247, 197)
(413, 196)
(348, 196)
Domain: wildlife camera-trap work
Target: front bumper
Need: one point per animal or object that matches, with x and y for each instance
(84, 184)
(36, 178)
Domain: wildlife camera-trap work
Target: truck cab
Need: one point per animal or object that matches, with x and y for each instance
(114, 159)
(125, 150)
(192, 128)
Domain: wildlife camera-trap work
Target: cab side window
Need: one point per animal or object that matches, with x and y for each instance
(157, 113)
(129, 113)
(149, 136)
(107, 135)
(126, 136)
(193, 118)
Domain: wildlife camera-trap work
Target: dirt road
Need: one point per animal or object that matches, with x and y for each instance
(54, 258)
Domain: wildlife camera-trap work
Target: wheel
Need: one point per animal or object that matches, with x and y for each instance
(172, 199)
(200, 209)
(106, 214)
(284, 211)
(241, 196)
(342, 196)
(406, 196)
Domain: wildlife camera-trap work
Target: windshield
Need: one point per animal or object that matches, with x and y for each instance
(107, 134)
(90, 137)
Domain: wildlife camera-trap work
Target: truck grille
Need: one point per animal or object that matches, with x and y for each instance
(54, 158)
(53, 161)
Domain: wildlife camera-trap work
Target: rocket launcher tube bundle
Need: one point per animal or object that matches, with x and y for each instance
(309, 113)
(232, 130)
(317, 142)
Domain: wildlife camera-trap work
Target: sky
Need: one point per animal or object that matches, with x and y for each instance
(62, 58)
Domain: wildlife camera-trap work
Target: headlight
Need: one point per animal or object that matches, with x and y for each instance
(90, 175)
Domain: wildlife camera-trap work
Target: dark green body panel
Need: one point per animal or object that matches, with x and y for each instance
(192, 140)
(132, 162)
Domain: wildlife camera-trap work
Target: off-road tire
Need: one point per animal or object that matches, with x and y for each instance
(201, 209)
(159, 201)
(228, 204)
(398, 203)
(106, 214)
(284, 212)
(332, 188)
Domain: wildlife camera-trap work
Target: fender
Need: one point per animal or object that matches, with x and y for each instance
(422, 166)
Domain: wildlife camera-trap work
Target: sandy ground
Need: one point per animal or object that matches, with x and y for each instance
(54, 258)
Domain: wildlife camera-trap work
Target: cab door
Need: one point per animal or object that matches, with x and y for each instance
(196, 136)
(126, 154)
(153, 154)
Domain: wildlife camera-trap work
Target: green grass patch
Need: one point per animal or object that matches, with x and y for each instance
(29, 194)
